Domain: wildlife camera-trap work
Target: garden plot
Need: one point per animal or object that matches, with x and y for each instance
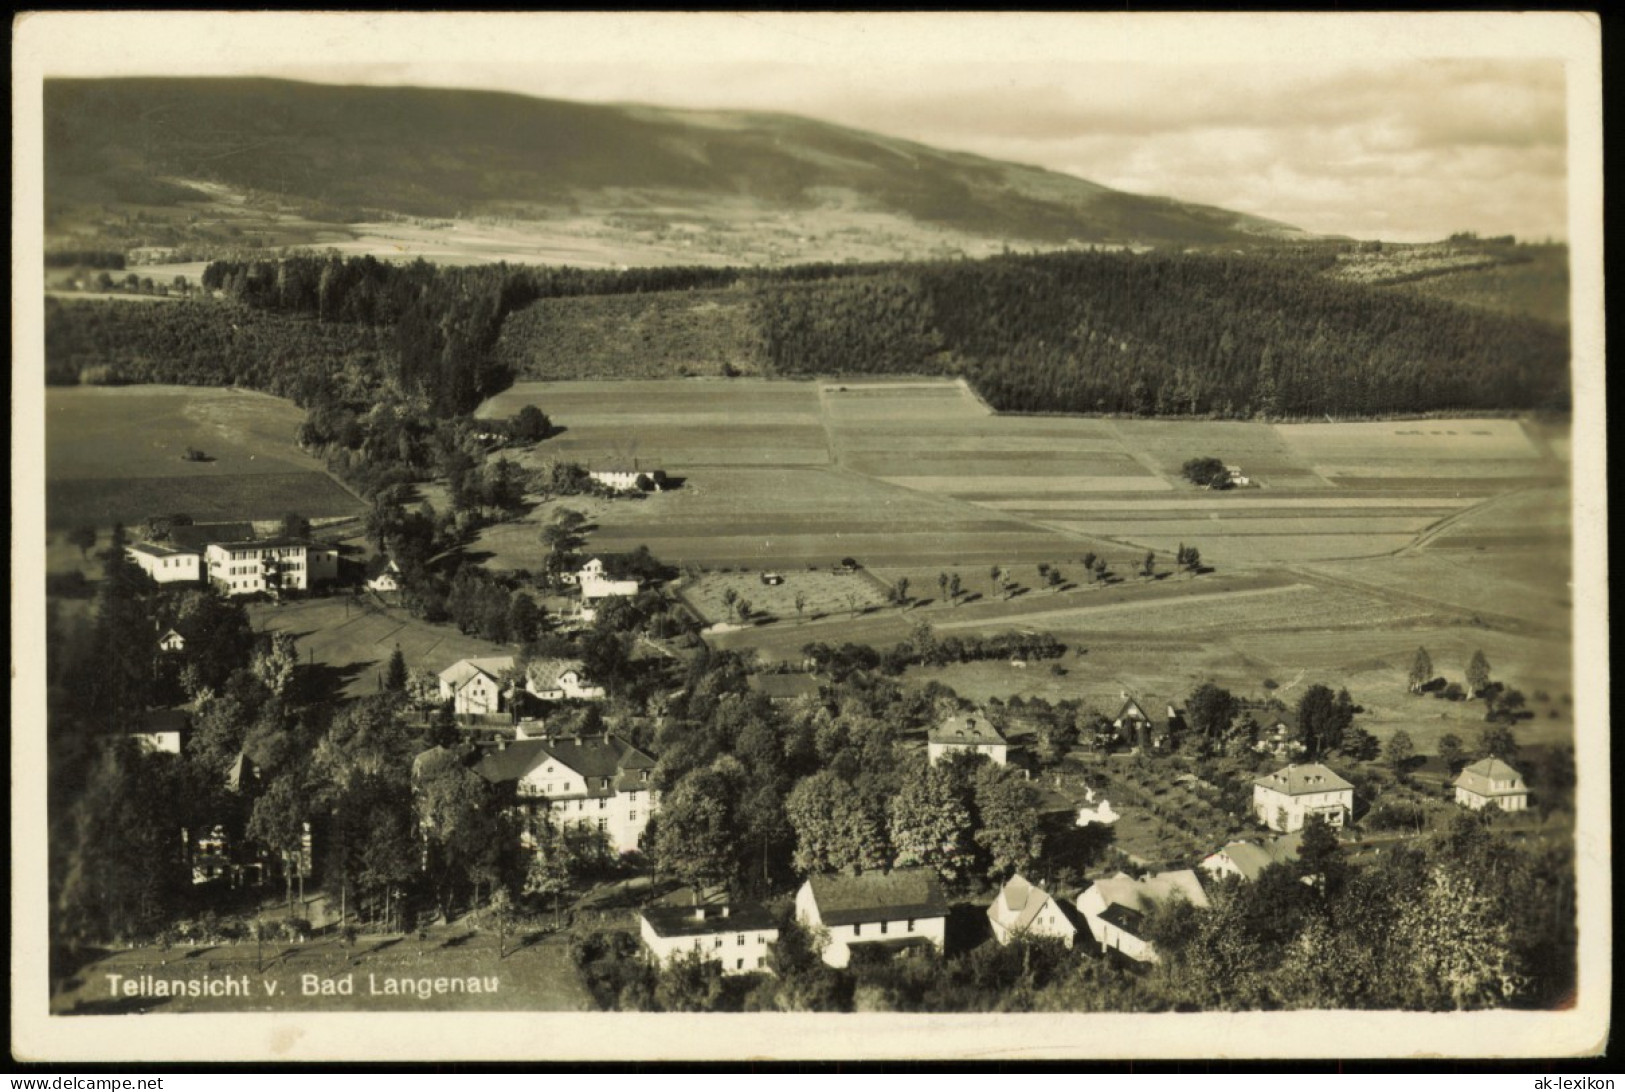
(819, 593)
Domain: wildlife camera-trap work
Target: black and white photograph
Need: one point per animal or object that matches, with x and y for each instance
(657, 536)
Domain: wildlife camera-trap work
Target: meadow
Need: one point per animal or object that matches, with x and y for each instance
(115, 454)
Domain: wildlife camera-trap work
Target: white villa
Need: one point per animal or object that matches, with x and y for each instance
(1282, 799)
(595, 585)
(1491, 781)
(476, 685)
(598, 780)
(898, 909)
(270, 565)
(971, 732)
(733, 935)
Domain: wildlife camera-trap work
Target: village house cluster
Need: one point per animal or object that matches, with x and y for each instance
(230, 558)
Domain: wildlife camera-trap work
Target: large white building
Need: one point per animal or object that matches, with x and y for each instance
(1491, 781)
(167, 564)
(270, 565)
(601, 781)
(1284, 798)
(970, 732)
(733, 935)
(596, 585)
(901, 908)
(476, 685)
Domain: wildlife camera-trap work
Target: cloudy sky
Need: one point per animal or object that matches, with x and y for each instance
(1398, 127)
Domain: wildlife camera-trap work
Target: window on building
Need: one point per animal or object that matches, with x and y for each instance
(718, 944)
(603, 802)
(761, 961)
(883, 927)
(739, 964)
(633, 816)
(857, 930)
(911, 925)
(741, 941)
(603, 824)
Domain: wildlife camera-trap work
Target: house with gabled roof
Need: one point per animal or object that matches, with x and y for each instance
(172, 641)
(477, 685)
(903, 908)
(1247, 860)
(735, 935)
(1491, 781)
(383, 575)
(167, 564)
(971, 733)
(1023, 909)
(1116, 909)
(557, 680)
(601, 781)
(1283, 799)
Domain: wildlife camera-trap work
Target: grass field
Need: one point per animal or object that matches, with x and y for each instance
(352, 641)
(115, 454)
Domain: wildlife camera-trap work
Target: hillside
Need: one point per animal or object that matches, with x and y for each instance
(311, 156)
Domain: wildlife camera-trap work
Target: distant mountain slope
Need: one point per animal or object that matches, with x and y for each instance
(351, 153)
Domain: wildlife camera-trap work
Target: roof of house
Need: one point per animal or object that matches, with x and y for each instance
(1478, 778)
(194, 537)
(277, 543)
(1141, 895)
(971, 729)
(1018, 903)
(1296, 780)
(844, 899)
(380, 565)
(1252, 858)
(782, 687)
(463, 670)
(679, 914)
(242, 774)
(153, 549)
(595, 758)
(1130, 706)
(545, 674)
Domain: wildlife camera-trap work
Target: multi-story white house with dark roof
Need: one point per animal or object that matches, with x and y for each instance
(1491, 781)
(270, 565)
(898, 909)
(970, 732)
(733, 935)
(1284, 798)
(602, 781)
(477, 685)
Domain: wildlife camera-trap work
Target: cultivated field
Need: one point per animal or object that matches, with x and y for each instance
(821, 592)
(115, 454)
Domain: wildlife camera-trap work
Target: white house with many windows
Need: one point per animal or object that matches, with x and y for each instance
(898, 909)
(1491, 781)
(167, 564)
(601, 781)
(969, 732)
(270, 565)
(1023, 909)
(733, 935)
(1282, 799)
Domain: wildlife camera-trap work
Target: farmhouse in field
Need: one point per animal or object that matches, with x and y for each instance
(167, 564)
(1284, 798)
(1022, 909)
(1491, 781)
(1115, 910)
(601, 781)
(970, 732)
(1136, 729)
(629, 479)
(172, 641)
(270, 565)
(476, 685)
(733, 935)
(903, 908)
(1247, 860)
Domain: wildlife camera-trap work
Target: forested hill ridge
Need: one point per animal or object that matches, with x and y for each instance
(1077, 332)
(343, 154)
